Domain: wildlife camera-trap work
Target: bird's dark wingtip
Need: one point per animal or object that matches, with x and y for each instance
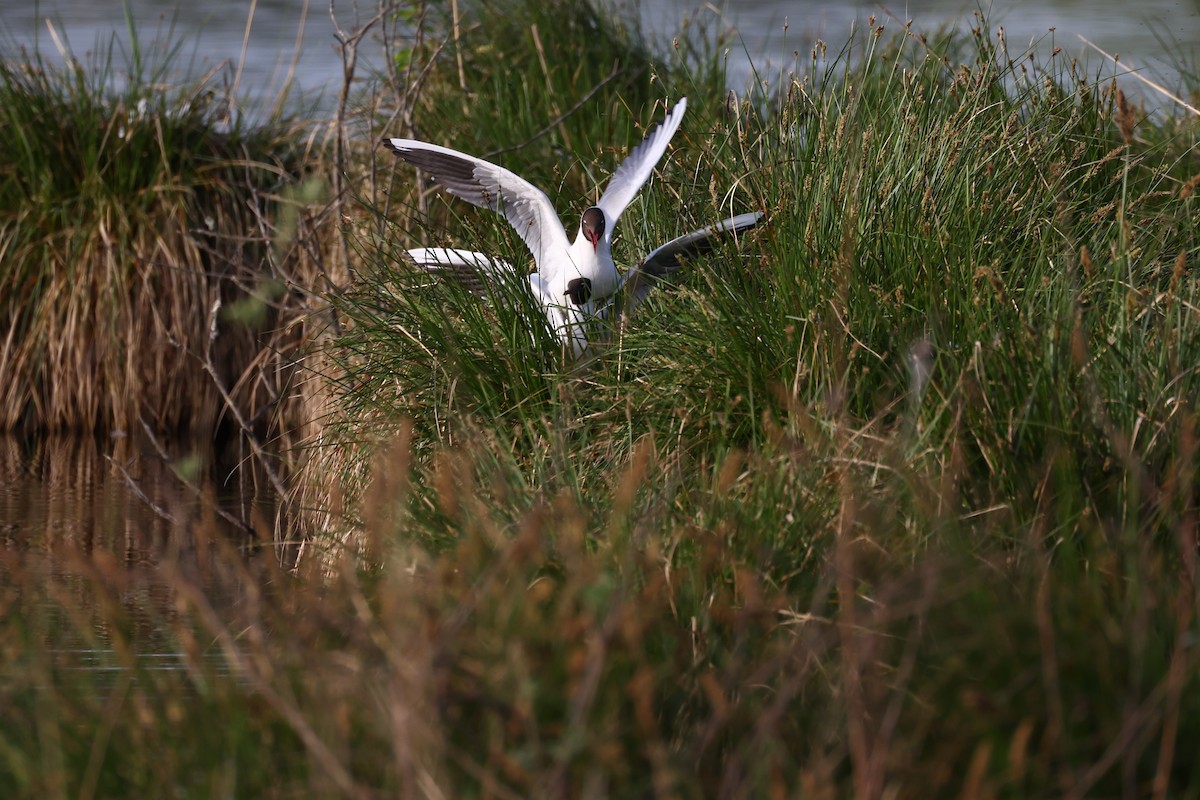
(390, 145)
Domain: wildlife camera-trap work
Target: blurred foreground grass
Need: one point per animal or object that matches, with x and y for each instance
(893, 496)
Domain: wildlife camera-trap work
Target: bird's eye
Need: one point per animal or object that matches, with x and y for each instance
(579, 290)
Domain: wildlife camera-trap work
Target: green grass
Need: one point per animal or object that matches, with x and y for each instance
(893, 495)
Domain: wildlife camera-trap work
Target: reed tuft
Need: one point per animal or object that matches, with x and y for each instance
(132, 220)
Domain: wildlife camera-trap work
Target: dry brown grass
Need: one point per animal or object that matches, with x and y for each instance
(160, 263)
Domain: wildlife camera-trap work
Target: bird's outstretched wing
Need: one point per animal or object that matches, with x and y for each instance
(480, 274)
(637, 282)
(490, 186)
(635, 170)
(468, 268)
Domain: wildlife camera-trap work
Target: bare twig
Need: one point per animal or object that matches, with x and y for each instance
(348, 43)
(237, 75)
(166, 458)
(132, 485)
(458, 57)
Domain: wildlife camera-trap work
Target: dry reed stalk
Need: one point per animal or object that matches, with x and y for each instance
(1155, 86)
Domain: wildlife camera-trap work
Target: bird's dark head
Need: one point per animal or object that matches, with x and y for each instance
(592, 225)
(579, 290)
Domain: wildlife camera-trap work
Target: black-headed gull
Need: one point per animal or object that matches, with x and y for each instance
(476, 270)
(570, 277)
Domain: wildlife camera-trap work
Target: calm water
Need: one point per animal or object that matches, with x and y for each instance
(82, 519)
(77, 495)
(771, 30)
(212, 31)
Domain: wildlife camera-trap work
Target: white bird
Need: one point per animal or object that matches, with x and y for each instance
(571, 277)
(476, 271)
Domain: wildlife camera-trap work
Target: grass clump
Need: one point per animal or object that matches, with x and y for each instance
(131, 210)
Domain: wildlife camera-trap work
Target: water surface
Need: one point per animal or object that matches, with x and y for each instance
(282, 37)
(770, 30)
(104, 541)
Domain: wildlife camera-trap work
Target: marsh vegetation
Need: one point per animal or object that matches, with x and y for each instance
(894, 495)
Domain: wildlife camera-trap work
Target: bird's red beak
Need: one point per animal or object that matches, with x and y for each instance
(595, 240)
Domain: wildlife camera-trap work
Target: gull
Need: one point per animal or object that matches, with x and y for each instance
(476, 271)
(571, 277)
(573, 282)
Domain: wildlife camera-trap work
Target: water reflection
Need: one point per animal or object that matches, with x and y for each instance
(104, 549)
(70, 494)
